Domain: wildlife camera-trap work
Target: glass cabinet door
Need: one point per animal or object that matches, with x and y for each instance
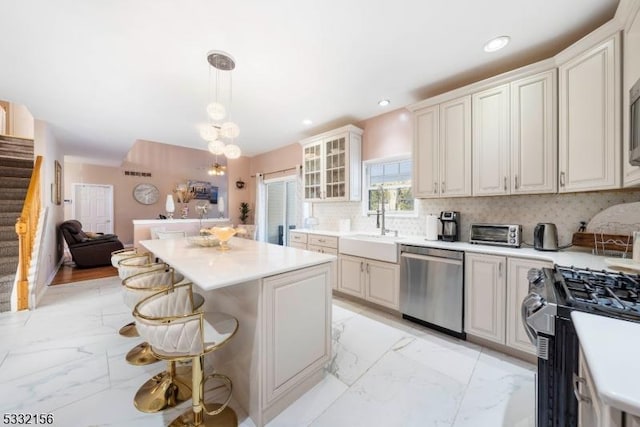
(312, 171)
(335, 169)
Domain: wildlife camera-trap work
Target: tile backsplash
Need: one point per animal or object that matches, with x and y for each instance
(565, 210)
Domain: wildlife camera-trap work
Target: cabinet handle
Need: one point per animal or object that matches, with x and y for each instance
(361, 266)
(442, 187)
(576, 391)
(367, 268)
(321, 240)
(516, 182)
(499, 269)
(505, 183)
(435, 188)
(561, 179)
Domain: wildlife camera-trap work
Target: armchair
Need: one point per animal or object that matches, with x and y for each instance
(88, 251)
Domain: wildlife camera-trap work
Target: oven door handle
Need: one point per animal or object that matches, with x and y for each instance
(524, 313)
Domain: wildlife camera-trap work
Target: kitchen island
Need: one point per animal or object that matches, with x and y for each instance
(282, 298)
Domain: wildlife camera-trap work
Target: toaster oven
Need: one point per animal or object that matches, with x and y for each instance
(496, 234)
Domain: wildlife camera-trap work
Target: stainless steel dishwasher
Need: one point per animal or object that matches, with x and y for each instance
(432, 288)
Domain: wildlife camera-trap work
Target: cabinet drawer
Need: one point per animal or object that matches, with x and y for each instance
(298, 245)
(322, 249)
(298, 237)
(326, 241)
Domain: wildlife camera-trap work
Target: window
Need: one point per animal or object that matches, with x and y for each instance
(395, 178)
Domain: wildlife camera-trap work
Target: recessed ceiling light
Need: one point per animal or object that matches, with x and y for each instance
(384, 102)
(496, 44)
(307, 122)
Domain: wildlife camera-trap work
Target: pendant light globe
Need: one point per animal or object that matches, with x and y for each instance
(232, 151)
(229, 130)
(216, 147)
(216, 111)
(209, 133)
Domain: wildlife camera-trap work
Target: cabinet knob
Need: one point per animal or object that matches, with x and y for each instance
(505, 183)
(435, 188)
(516, 179)
(442, 187)
(561, 179)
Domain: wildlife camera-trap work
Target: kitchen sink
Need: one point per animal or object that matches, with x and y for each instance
(382, 248)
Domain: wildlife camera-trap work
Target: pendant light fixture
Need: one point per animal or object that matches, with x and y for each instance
(221, 132)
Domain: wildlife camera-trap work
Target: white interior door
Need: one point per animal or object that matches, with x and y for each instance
(93, 207)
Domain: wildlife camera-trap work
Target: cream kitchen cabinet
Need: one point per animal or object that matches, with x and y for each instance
(490, 130)
(317, 243)
(374, 281)
(442, 150)
(589, 119)
(494, 289)
(485, 293)
(514, 137)
(331, 165)
(592, 412)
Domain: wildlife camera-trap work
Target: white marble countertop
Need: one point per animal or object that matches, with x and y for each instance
(566, 257)
(177, 220)
(247, 260)
(611, 348)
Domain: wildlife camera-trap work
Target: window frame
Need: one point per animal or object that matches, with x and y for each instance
(366, 164)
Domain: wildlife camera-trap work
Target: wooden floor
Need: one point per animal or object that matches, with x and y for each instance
(67, 274)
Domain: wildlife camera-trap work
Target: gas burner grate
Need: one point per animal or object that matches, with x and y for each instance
(602, 291)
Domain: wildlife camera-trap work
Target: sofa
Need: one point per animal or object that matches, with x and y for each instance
(89, 249)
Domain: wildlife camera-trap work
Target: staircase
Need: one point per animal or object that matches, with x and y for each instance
(16, 164)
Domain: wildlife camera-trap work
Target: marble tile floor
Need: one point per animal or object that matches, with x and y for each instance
(66, 358)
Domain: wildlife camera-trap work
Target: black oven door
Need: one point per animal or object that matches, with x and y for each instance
(556, 404)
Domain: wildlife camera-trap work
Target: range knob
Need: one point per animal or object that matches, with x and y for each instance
(535, 276)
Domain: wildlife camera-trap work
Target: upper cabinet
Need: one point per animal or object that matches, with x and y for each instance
(491, 141)
(442, 149)
(514, 137)
(589, 119)
(331, 165)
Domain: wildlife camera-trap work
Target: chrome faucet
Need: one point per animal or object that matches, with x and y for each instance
(380, 217)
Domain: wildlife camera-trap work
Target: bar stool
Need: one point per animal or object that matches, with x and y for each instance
(164, 389)
(117, 256)
(124, 270)
(167, 320)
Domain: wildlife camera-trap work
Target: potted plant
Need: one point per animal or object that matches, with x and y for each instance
(244, 212)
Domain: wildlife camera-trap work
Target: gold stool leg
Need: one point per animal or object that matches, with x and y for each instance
(129, 330)
(197, 415)
(141, 355)
(164, 390)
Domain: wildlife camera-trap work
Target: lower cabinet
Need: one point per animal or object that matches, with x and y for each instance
(592, 412)
(374, 281)
(316, 243)
(494, 289)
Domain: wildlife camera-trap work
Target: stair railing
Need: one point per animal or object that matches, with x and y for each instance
(26, 227)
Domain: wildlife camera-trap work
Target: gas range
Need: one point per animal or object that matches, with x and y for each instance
(546, 316)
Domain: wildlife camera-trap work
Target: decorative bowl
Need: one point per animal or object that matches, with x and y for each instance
(223, 234)
(205, 241)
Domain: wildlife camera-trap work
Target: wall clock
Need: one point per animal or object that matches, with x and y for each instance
(145, 193)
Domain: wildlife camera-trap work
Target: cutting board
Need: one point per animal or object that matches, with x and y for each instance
(622, 219)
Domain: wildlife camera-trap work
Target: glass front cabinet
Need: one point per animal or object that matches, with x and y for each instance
(331, 165)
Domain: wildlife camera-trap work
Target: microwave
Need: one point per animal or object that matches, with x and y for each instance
(634, 124)
(496, 234)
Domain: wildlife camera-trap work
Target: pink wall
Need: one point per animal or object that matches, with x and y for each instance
(387, 135)
(169, 165)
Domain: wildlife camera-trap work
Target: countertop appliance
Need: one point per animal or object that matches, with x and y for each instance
(634, 124)
(546, 316)
(432, 288)
(450, 226)
(496, 234)
(545, 237)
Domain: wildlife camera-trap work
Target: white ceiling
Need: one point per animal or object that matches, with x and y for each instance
(106, 73)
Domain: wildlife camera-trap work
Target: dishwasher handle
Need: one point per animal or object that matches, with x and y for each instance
(431, 258)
